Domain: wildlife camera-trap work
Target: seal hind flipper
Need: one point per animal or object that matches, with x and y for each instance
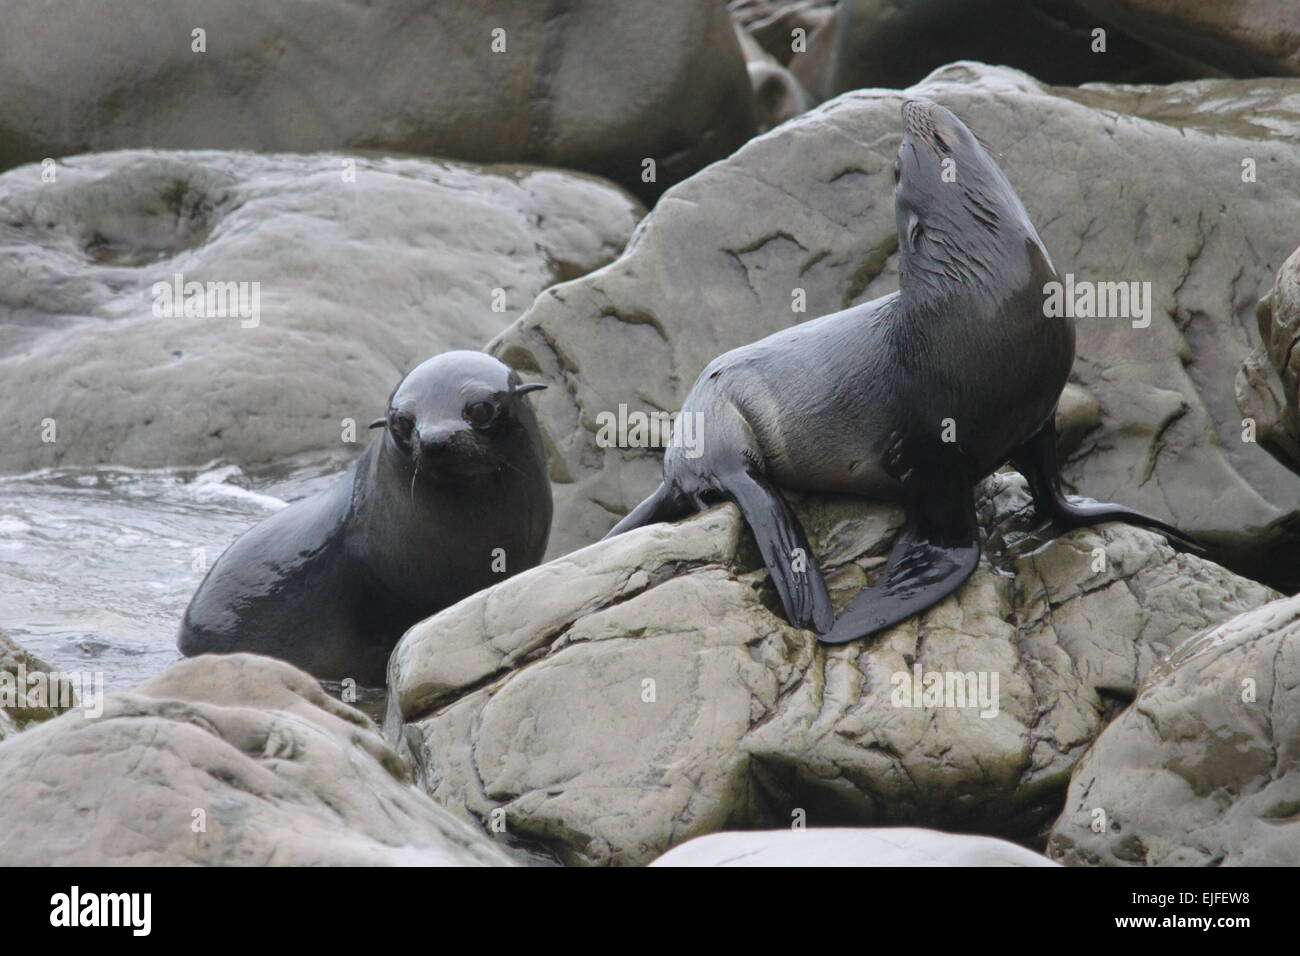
(935, 554)
(1036, 460)
(662, 505)
(780, 540)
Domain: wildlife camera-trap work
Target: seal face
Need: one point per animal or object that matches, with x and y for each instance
(451, 498)
(913, 397)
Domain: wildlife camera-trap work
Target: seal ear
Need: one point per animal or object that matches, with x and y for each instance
(378, 423)
(530, 387)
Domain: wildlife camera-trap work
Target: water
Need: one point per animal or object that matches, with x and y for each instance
(97, 565)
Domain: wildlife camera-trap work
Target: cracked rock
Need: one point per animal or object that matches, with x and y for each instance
(646, 690)
(1203, 769)
(221, 760)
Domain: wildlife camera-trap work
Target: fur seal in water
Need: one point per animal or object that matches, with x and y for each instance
(332, 582)
(913, 397)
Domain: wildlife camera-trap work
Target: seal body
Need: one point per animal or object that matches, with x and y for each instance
(913, 397)
(451, 498)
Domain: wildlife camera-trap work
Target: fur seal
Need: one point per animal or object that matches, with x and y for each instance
(913, 397)
(332, 582)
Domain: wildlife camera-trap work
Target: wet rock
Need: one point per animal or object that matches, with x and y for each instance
(646, 690)
(355, 279)
(481, 80)
(235, 760)
(1203, 769)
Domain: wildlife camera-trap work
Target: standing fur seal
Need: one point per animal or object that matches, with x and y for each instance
(331, 583)
(913, 397)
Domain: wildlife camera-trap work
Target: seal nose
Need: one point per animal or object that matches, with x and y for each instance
(442, 441)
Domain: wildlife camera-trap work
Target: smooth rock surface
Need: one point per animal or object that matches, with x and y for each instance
(562, 84)
(1268, 385)
(842, 846)
(645, 690)
(1203, 769)
(283, 776)
(1242, 37)
(895, 43)
(358, 283)
(810, 207)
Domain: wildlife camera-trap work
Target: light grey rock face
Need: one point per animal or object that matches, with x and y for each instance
(1204, 768)
(1268, 385)
(358, 282)
(1244, 37)
(283, 774)
(808, 210)
(842, 846)
(645, 690)
(482, 80)
(30, 690)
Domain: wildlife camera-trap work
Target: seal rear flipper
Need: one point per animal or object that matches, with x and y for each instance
(935, 554)
(1036, 460)
(662, 505)
(782, 543)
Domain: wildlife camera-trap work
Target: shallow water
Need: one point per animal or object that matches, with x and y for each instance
(97, 565)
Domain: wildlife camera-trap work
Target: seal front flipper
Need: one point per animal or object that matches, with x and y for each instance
(1036, 460)
(662, 505)
(783, 544)
(935, 554)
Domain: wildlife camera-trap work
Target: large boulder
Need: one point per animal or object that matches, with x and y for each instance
(1124, 183)
(895, 43)
(1268, 385)
(231, 760)
(362, 272)
(646, 690)
(841, 846)
(1243, 38)
(1204, 768)
(562, 84)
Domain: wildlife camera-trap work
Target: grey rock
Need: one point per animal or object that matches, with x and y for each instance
(895, 43)
(1268, 385)
(283, 776)
(573, 86)
(842, 846)
(645, 690)
(1203, 769)
(1244, 38)
(809, 206)
(359, 282)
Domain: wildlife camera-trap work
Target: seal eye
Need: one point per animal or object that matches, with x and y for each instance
(898, 171)
(401, 426)
(480, 414)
